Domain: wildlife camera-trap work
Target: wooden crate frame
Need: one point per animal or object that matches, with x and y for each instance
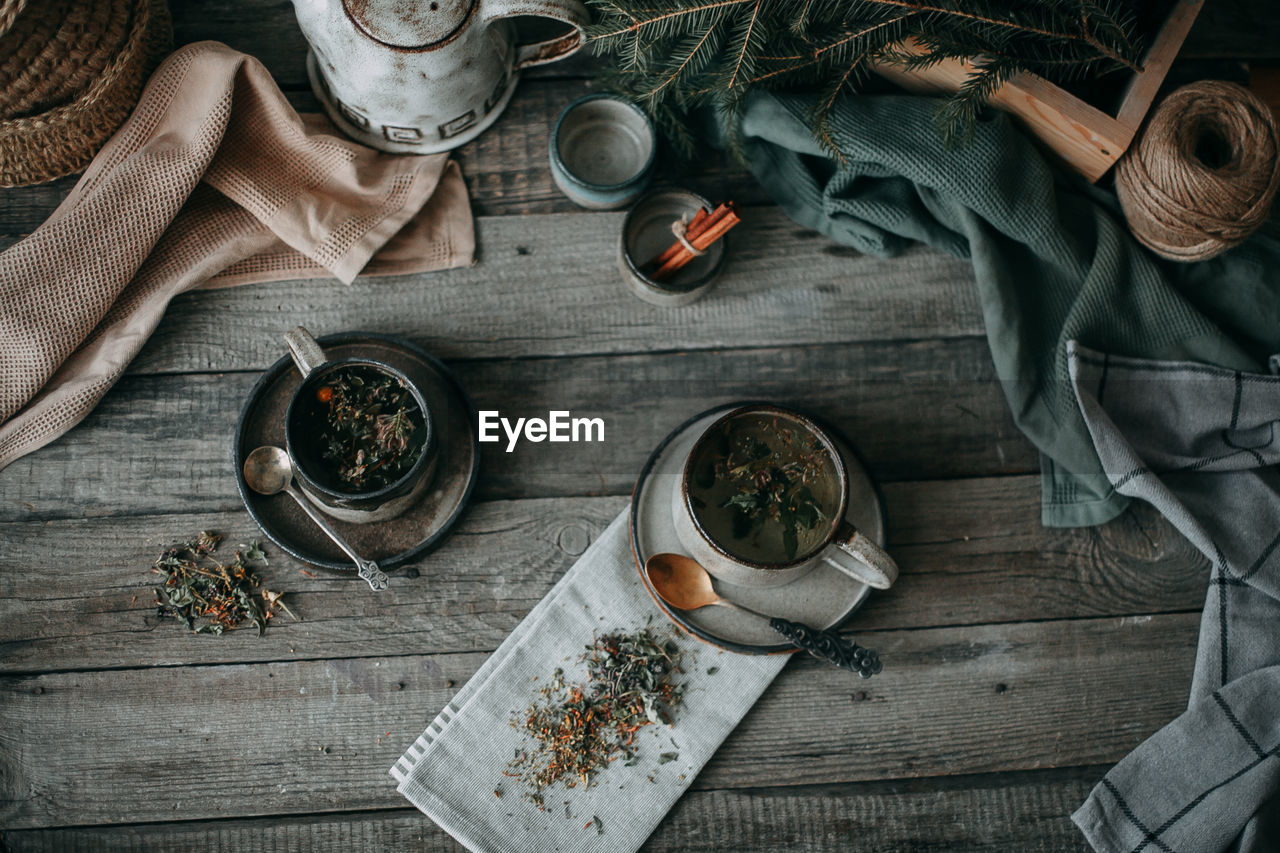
(1081, 135)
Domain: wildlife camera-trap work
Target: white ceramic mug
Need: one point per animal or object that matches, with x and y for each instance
(843, 546)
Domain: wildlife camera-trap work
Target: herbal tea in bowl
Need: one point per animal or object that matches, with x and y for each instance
(359, 434)
(762, 501)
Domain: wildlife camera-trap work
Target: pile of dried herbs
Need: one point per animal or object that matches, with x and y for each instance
(370, 429)
(579, 729)
(199, 587)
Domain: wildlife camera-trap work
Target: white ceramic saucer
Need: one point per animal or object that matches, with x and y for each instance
(823, 598)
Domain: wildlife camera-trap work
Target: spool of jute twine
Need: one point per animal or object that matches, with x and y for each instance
(1203, 175)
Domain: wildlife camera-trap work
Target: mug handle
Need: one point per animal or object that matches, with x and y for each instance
(570, 12)
(306, 353)
(857, 556)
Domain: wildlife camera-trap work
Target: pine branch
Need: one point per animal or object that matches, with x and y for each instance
(1084, 35)
(746, 43)
(639, 24)
(676, 55)
(685, 63)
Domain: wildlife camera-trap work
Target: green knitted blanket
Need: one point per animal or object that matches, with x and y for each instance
(1052, 257)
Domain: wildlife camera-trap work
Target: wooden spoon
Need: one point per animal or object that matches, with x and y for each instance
(683, 583)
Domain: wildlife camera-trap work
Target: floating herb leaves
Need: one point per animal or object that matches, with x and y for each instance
(578, 729)
(772, 476)
(372, 427)
(197, 587)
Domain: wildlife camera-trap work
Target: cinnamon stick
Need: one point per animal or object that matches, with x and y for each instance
(700, 221)
(708, 235)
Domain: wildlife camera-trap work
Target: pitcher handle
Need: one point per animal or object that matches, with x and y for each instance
(571, 12)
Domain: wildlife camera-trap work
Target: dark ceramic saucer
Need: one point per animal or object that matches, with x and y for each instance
(823, 598)
(398, 540)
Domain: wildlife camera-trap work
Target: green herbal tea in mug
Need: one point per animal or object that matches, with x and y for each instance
(765, 489)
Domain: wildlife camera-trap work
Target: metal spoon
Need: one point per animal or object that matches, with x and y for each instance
(683, 583)
(268, 471)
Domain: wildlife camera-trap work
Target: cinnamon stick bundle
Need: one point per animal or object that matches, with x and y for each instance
(703, 230)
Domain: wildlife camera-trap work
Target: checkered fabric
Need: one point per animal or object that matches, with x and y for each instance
(1200, 444)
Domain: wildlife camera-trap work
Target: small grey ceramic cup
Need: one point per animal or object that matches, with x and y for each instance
(602, 152)
(647, 232)
(301, 440)
(844, 546)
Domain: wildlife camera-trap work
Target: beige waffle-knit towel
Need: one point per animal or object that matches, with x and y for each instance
(213, 181)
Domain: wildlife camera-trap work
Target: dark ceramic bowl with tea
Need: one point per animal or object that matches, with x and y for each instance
(359, 434)
(762, 501)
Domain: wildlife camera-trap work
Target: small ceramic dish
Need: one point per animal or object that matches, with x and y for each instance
(602, 152)
(393, 542)
(647, 232)
(823, 598)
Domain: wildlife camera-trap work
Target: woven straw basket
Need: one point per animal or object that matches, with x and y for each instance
(70, 73)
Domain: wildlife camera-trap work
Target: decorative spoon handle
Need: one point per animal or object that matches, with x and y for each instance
(829, 646)
(369, 571)
(374, 576)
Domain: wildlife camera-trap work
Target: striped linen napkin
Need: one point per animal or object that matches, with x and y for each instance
(453, 769)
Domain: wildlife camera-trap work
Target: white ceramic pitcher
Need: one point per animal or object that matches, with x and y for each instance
(421, 76)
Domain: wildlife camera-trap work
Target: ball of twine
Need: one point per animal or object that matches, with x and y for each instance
(1203, 176)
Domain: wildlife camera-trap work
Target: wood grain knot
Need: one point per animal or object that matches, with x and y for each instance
(573, 539)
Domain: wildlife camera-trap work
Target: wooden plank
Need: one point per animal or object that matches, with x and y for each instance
(984, 814)
(78, 594)
(506, 168)
(174, 432)
(298, 738)
(1086, 138)
(508, 171)
(1082, 136)
(548, 285)
(1155, 65)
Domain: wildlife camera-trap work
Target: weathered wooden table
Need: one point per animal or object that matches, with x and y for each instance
(1020, 662)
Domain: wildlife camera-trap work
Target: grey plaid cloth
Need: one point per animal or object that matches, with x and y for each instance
(1200, 444)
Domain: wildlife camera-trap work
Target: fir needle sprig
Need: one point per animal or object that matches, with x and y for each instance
(677, 55)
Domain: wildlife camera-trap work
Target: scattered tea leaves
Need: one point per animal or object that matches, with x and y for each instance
(579, 729)
(668, 756)
(712, 670)
(599, 824)
(199, 588)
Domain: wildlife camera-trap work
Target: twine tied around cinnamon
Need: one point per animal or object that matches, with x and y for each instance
(1203, 175)
(680, 228)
